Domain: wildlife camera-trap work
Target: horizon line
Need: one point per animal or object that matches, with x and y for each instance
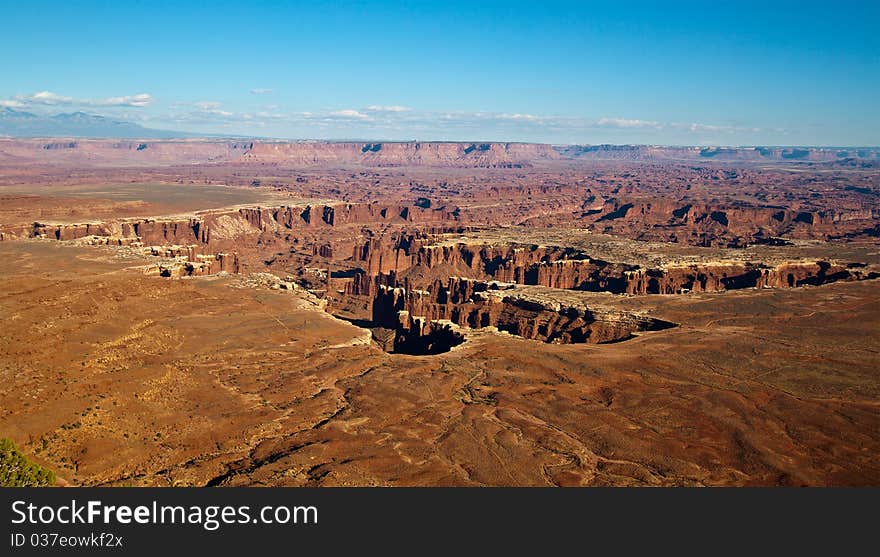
(215, 137)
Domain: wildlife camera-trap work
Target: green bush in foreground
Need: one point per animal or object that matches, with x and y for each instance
(17, 471)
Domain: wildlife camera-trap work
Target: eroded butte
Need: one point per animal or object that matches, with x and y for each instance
(307, 313)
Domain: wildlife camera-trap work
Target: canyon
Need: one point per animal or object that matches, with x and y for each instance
(406, 273)
(230, 312)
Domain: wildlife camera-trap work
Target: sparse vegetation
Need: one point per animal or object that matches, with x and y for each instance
(17, 471)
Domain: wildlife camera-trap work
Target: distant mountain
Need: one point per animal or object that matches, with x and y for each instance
(16, 123)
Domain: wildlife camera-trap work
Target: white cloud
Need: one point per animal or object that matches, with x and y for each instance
(349, 113)
(523, 117)
(378, 121)
(389, 120)
(376, 117)
(697, 127)
(48, 98)
(211, 108)
(266, 115)
(627, 123)
(139, 100)
(393, 108)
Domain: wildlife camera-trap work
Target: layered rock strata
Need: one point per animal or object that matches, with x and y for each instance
(477, 304)
(566, 268)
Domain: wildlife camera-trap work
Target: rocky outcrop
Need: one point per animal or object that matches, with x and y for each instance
(169, 237)
(60, 145)
(477, 304)
(221, 227)
(74, 231)
(201, 265)
(421, 337)
(511, 263)
(724, 225)
(731, 276)
(408, 257)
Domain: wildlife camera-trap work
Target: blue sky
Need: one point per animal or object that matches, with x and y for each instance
(707, 73)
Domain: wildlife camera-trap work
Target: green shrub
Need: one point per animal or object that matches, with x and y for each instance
(17, 471)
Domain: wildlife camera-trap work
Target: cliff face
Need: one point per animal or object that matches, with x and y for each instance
(200, 265)
(511, 263)
(413, 256)
(466, 155)
(138, 152)
(217, 227)
(289, 153)
(134, 153)
(420, 313)
(719, 277)
(407, 257)
(719, 225)
(477, 304)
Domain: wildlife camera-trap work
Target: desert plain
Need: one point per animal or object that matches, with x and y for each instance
(259, 313)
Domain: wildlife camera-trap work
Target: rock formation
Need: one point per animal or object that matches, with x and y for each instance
(476, 304)
(718, 224)
(567, 268)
